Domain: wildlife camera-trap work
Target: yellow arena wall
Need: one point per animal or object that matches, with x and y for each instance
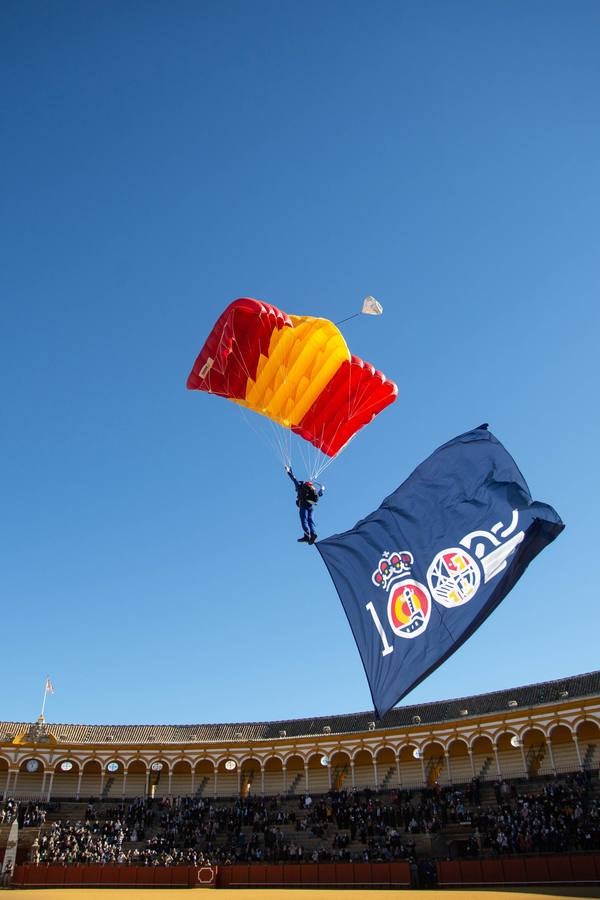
(548, 728)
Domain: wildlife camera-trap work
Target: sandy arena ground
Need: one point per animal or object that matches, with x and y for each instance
(286, 894)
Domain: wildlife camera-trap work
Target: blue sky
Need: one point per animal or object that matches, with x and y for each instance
(159, 160)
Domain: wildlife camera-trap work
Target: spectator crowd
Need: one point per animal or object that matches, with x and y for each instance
(28, 815)
(339, 826)
(563, 817)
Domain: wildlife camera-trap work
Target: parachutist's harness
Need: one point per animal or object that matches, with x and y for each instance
(306, 495)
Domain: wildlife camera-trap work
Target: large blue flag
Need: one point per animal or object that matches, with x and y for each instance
(417, 577)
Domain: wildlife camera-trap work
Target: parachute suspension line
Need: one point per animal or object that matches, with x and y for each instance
(360, 405)
(347, 319)
(322, 462)
(306, 452)
(356, 404)
(281, 440)
(272, 437)
(276, 436)
(311, 454)
(286, 444)
(264, 435)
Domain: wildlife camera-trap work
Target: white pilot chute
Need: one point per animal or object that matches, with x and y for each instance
(371, 307)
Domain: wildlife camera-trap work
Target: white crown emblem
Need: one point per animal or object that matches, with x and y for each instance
(392, 565)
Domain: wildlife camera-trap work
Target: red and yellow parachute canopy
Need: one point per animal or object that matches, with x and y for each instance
(296, 370)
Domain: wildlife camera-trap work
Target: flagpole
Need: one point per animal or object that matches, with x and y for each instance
(44, 699)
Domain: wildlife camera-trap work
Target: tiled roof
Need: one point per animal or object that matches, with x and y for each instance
(574, 687)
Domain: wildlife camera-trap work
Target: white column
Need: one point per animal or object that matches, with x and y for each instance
(578, 751)
(329, 771)
(498, 769)
(551, 755)
(79, 782)
(170, 780)
(9, 774)
(352, 772)
(262, 780)
(424, 774)
(306, 777)
(472, 763)
(215, 791)
(375, 774)
(398, 771)
(523, 757)
(43, 787)
(50, 785)
(124, 783)
(449, 767)
(193, 780)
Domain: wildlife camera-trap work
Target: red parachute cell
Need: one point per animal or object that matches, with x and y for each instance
(352, 399)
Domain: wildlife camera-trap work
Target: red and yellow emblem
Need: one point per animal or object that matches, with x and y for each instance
(409, 608)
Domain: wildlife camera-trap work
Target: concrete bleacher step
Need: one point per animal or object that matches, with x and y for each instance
(73, 810)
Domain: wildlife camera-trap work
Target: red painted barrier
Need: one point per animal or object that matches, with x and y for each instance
(400, 874)
(536, 869)
(309, 873)
(274, 874)
(380, 873)
(206, 876)
(292, 873)
(226, 874)
(514, 870)
(72, 875)
(560, 869)
(102, 876)
(344, 873)
(448, 872)
(109, 875)
(163, 876)
(180, 875)
(470, 871)
(362, 873)
(127, 874)
(244, 875)
(521, 870)
(326, 873)
(305, 874)
(585, 868)
(491, 871)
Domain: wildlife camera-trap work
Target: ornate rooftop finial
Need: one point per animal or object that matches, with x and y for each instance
(38, 733)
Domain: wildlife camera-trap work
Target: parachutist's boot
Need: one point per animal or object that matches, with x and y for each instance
(312, 539)
(305, 539)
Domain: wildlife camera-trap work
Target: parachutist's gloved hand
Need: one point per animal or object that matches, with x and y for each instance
(287, 469)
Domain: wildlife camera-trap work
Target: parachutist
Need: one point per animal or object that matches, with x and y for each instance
(307, 496)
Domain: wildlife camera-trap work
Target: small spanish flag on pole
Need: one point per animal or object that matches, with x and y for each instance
(48, 689)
